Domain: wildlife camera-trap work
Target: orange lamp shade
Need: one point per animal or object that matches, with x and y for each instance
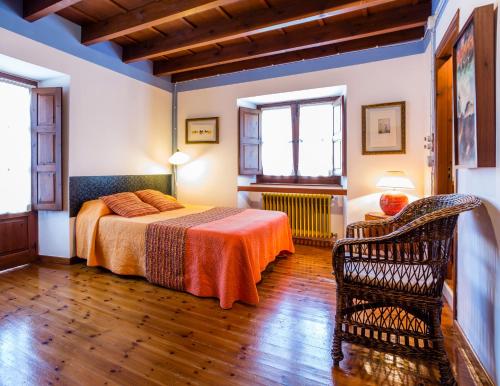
(392, 202)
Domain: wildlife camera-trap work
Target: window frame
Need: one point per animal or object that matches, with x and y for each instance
(9, 78)
(38, 185)
(295, 111)
(28, 85)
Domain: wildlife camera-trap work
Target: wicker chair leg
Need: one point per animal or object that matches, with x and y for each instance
(445, 371)
(337, 354)
(446, 374)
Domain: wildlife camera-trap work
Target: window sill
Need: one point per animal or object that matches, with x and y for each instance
(8, 216)
(334, 190)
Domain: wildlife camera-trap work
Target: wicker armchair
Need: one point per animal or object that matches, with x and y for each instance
(390, 275)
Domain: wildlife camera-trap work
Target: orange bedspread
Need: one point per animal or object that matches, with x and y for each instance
(223, 258)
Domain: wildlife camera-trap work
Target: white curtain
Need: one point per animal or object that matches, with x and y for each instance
(15, 148)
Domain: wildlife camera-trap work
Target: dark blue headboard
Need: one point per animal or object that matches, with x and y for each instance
(88, 188)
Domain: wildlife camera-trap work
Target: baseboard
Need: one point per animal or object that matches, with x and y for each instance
(448, 295)
(474, 365)
(316, 242)
(59, 260)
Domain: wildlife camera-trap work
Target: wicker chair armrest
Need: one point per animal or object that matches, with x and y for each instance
(363, 246)
(371, 228)
(398, 234)
(351, 241)
(400, 231)
(359, 246)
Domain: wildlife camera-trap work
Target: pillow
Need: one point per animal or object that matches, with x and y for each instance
(127, 204)
(160, 201)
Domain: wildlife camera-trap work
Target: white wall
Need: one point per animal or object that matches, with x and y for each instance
(211, 176)
(478, 270)
(113, 125)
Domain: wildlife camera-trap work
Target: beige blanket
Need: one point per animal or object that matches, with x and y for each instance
(118, 243)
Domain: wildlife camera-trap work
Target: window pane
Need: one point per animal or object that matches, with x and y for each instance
(337, 140)
(337, 124)
(277, 147)
(15, 148)
(316, 134)
(337, 157)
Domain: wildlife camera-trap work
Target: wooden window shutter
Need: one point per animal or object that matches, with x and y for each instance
(339, 142)
(250, 150)
(46, 161)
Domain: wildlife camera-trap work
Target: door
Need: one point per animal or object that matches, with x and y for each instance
(443, 148)
(444, 182)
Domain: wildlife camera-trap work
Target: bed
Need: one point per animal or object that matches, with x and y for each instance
(222, 257)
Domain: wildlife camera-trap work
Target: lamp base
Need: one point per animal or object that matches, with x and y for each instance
(392, 202)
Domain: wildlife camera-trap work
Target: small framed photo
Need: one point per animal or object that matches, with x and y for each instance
(202, 130)
(383, 128)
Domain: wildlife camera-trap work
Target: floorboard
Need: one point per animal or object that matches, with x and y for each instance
(75, 325)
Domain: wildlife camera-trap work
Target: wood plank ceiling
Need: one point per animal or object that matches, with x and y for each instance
(190, 39)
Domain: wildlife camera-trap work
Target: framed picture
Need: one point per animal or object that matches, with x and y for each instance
(474, 93)
(383, 128)
(202, 130)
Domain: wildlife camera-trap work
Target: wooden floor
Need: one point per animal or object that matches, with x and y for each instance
(77, 325)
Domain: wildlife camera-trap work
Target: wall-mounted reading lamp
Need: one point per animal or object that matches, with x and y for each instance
(178, 158)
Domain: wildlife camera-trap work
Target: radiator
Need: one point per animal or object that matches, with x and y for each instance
(308, 214)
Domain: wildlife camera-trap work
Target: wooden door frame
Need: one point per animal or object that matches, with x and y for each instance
(27, 252)
(444, 52)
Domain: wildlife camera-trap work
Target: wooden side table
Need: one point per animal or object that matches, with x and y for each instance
(375, 216)
(371, 216)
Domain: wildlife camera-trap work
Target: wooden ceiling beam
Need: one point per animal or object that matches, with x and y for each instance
(36, 9)
(361, 27)
(150, 15)
(296, 12)
(310, 53)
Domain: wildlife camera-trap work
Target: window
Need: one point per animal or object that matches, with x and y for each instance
(294, 142)
(30, 146)
(15, 148)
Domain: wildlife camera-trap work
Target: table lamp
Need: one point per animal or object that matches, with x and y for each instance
(392, 201)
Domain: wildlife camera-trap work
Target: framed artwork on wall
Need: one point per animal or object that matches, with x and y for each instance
(384, 128)
(202, 130)
(474, 93)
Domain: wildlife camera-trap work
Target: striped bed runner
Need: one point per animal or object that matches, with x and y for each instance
(166, 243)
